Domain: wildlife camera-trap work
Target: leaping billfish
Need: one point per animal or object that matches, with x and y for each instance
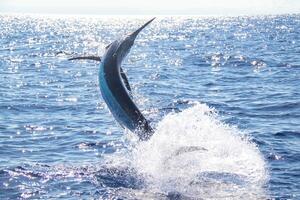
(115, 88)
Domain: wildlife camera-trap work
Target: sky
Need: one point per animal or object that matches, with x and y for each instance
(151, 7)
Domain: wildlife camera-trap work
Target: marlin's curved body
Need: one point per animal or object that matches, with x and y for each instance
(115, 88)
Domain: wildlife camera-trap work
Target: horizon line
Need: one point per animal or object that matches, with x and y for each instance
(146, 15)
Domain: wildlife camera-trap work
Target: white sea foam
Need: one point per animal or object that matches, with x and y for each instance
(194, 154)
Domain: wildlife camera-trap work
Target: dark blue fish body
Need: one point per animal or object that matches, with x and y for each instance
(115, 91)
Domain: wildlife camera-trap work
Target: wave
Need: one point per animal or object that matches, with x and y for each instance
(194, 154)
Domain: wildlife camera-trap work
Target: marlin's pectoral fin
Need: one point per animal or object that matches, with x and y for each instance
(96, 58)
(125, 79)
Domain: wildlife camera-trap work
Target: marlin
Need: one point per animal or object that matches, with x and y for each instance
(115, 88)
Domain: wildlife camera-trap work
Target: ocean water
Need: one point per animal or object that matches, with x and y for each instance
(222, 93)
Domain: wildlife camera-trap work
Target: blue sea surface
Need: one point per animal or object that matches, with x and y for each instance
(223, 94)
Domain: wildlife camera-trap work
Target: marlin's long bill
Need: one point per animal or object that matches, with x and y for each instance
(135, 33)
(115, 90)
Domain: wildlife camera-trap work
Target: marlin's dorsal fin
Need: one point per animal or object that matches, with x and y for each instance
(96, 58)
(125, 79)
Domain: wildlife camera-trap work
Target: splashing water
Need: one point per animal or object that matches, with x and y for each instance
(193, 154)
